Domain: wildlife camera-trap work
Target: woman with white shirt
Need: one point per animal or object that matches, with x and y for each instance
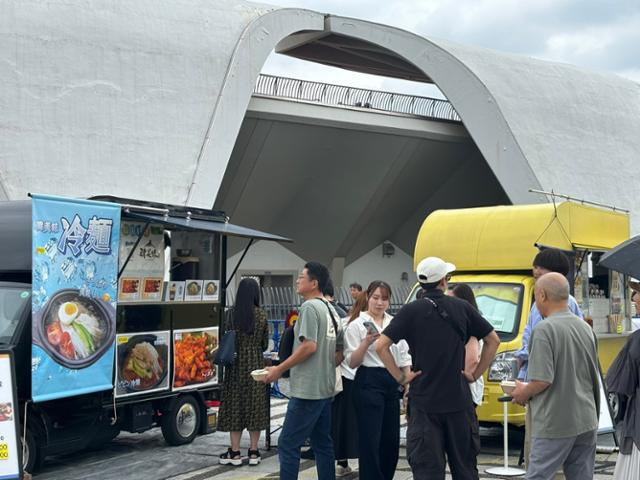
(375, 391)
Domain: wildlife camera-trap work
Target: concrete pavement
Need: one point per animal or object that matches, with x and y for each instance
(146, 457)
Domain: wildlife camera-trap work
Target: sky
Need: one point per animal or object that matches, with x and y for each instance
(601, 35)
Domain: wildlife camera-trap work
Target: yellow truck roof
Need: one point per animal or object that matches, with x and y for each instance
(504, 237)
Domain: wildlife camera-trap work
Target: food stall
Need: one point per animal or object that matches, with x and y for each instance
(120, 324)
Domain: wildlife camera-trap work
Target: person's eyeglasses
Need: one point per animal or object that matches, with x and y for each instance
(448, 277)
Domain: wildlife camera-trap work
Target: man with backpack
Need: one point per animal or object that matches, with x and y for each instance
(441, 413)
(317, 350)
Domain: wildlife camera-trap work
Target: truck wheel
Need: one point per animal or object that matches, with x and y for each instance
(180, 423)
(32, 458)
(617, 404)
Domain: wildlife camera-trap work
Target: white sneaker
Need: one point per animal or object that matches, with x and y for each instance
(342, 471)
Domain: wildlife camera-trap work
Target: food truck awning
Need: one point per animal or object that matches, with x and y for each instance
(505, 237)
(624, 258)
(192, 224)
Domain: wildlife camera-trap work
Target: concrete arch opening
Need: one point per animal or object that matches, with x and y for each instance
(342, 181)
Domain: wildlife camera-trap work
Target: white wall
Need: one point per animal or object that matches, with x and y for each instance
(373, 266)
(276, 259)
(265, 257)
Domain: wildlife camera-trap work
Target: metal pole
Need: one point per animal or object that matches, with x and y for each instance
(506, 435)
(578, 200)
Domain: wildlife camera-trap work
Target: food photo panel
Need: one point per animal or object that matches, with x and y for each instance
(193, 290)
(210, 291)
(193, 354)
(142, 362)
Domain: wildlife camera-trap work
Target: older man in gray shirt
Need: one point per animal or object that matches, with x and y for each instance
(564, 390)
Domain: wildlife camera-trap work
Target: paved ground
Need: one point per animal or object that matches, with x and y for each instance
(146, 457)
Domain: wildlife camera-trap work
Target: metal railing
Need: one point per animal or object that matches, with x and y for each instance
(340, 95)
(278, 302)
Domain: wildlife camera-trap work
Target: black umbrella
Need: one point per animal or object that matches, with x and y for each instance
(624, 258)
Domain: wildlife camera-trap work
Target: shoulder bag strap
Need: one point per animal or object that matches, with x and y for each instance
(447, 318)
(333, 319)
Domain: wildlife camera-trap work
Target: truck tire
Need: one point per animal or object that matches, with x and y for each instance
(180, 424)
(618, 406)
(32, 458)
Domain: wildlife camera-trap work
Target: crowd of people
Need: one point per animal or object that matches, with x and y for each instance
(350, 370)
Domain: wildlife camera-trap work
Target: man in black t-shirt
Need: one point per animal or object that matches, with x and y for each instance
(441, 412)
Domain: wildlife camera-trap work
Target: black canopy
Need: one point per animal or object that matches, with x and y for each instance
(624, 258)
(224, 228)
(15, 231)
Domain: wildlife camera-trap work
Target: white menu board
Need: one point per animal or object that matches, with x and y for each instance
(9, 453)
(142, 279)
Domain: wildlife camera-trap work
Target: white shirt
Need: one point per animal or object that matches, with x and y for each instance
(346, 370)
(356, 333)
(477, 387)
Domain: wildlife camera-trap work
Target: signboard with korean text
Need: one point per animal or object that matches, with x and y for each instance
(193, 354)
(142, 362)
(10, 454)
(143, 276)
(74, 292)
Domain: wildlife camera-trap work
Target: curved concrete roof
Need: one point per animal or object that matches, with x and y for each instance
(158, 93)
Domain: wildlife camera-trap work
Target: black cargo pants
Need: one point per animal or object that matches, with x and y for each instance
(431, 436)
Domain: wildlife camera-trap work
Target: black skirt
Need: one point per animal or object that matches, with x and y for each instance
(344, 427)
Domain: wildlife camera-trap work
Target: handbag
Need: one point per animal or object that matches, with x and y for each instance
(226, 354)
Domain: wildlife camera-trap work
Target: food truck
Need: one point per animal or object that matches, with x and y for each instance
(493, 249)
(112, 310)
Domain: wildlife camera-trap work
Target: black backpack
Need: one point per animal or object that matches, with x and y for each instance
(285, 347)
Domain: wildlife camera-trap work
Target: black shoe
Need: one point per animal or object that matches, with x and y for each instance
(254, 457)
(231, 458)
(308, 454)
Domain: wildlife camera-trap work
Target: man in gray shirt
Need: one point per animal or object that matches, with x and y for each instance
(317, 350)
(563, 389)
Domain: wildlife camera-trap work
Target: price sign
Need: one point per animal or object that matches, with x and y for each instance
(10, 454)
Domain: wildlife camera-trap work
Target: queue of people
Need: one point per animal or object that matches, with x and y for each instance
(380, 358)
(349, 372)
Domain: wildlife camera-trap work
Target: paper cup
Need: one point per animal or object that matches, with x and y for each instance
(507, 386)
(259, 375)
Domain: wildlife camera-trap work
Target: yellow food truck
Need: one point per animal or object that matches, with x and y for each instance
(493, 249)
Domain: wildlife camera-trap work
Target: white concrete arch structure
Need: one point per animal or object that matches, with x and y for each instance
(538, 124)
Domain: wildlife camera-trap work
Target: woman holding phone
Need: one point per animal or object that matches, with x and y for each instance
(375, 391)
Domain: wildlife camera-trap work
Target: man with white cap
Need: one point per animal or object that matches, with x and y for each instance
(441, 413)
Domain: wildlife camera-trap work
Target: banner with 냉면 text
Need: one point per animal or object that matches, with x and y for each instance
(75, 271)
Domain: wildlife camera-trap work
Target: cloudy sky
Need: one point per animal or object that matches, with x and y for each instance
(600, 35)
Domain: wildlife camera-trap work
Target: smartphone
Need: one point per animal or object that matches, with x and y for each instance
(370, 326)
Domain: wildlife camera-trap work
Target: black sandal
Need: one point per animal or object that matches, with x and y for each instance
(231, 457)
(254, 457)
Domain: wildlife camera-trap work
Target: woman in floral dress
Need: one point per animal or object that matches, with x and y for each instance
(245, 401)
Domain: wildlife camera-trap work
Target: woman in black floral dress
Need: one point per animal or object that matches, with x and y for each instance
(244, 401)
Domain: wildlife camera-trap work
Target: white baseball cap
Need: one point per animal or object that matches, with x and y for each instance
(433, 269)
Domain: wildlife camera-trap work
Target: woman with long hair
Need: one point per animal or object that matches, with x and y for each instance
(244, 401)
(344, 427)
(375, 391)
